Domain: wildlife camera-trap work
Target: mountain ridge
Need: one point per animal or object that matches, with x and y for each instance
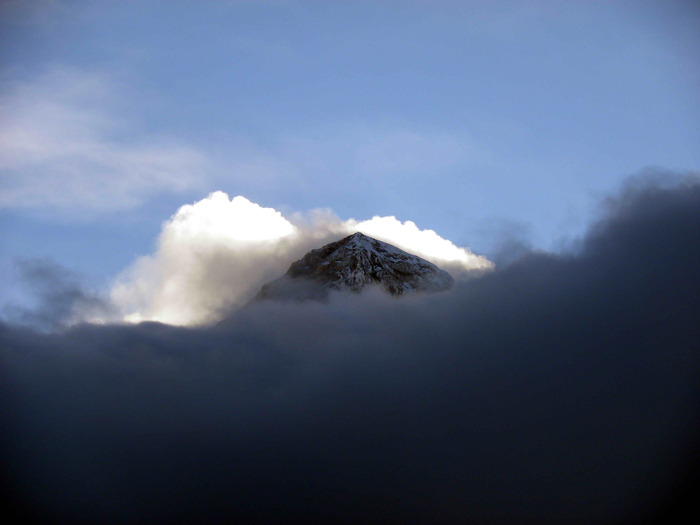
(351, 264)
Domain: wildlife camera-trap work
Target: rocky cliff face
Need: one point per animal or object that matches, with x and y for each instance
(353, 263)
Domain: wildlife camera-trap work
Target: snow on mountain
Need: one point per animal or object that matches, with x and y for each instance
(353, 263)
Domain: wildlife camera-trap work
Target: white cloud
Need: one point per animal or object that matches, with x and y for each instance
(215, 254)
(63, 147)
(231, 221)
(210, 256)
(424, 243)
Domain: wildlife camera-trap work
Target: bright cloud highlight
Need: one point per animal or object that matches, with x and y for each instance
(210, 256)
(215, 254)
(424, 243)
(228, 221)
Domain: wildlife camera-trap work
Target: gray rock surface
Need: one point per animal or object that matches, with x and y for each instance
(353, 263)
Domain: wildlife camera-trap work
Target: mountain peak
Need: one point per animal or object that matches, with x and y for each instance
(351, 264)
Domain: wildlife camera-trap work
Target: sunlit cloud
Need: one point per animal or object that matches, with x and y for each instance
(215, 254)
(234, 220)
(425, 243)
(210, 256)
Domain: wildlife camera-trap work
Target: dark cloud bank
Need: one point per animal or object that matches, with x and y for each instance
(561, 388)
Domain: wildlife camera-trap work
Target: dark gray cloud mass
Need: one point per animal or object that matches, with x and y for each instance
(60, 296)
(561, 388)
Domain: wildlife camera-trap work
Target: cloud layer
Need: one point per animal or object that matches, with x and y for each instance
(215, 254)
(63, 147)
(560, 389)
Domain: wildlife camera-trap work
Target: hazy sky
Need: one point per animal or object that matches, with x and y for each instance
(478, 120)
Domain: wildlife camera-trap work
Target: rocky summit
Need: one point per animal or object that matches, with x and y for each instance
(353, 263)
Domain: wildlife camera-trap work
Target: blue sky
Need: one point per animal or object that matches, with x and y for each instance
(473, 119)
